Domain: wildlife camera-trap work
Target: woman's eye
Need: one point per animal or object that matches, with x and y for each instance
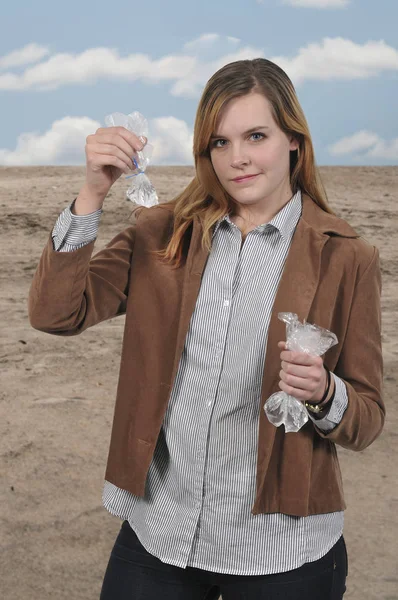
(260, 136)
(218, 143)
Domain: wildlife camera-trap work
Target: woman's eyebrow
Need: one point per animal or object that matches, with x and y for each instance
(251, 130)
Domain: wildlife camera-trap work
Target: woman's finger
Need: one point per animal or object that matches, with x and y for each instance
(113, 139)
(111, 150)
(108, 160)
(299, 394)
(133, 140)
(301, 383)
(309, 372)
(301, 358)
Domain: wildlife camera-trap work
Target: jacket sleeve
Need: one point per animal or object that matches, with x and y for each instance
(72, 291)
(360, 365)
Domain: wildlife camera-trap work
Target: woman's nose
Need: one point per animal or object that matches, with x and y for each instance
(239, 160)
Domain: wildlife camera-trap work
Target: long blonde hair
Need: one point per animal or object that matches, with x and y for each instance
(204, 197)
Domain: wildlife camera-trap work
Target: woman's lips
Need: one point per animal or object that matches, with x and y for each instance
(243, 179)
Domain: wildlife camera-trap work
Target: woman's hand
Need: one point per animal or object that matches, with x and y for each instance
(109, 153)
(302, 375)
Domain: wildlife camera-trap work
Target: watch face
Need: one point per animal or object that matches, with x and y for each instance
(313, 407)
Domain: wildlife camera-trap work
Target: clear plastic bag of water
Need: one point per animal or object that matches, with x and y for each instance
(281, 408)
(141, 190)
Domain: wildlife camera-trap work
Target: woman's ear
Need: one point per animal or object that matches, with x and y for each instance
(294, 143)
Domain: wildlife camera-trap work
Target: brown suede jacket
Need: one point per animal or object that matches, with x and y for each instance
(331, 277)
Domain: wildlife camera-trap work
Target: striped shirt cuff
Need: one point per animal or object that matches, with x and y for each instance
(71, 231)
(336, 410)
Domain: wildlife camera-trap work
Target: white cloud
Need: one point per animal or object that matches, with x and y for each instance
(64, 142)
(203, 41)
(191, 85)
(187, 72)
(172, 140)
(95, 64)
(27, 55)
(318, 3)
(209, 40)
(366, 144)
(339, 58)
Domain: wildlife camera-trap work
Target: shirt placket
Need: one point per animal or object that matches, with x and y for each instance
(215, 361)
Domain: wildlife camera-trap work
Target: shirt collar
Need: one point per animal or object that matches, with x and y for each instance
(284, 221)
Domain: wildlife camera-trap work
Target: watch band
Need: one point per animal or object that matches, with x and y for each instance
(321, 408)
(317, 406)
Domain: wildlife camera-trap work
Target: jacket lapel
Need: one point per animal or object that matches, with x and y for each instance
(296, 292)
(194, 267)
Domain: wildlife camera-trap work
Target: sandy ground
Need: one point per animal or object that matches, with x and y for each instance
(57, 397)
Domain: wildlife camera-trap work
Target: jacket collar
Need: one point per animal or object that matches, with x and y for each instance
(323, 222)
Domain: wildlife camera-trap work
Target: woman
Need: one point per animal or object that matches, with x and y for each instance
(215, 499)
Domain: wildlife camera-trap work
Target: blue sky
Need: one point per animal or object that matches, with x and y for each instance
(63, 67)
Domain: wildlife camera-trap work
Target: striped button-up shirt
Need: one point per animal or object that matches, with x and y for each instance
(201, 483)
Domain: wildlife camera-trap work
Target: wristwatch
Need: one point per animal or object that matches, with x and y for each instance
(315, 408)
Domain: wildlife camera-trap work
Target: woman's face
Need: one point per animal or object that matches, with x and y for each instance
(248, 142)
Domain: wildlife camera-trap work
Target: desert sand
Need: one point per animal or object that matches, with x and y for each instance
(57, 398)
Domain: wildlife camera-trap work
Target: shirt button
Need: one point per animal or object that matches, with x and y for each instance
(209, 403)
(226, 302)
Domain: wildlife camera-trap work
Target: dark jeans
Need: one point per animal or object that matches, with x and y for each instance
(135, 574)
